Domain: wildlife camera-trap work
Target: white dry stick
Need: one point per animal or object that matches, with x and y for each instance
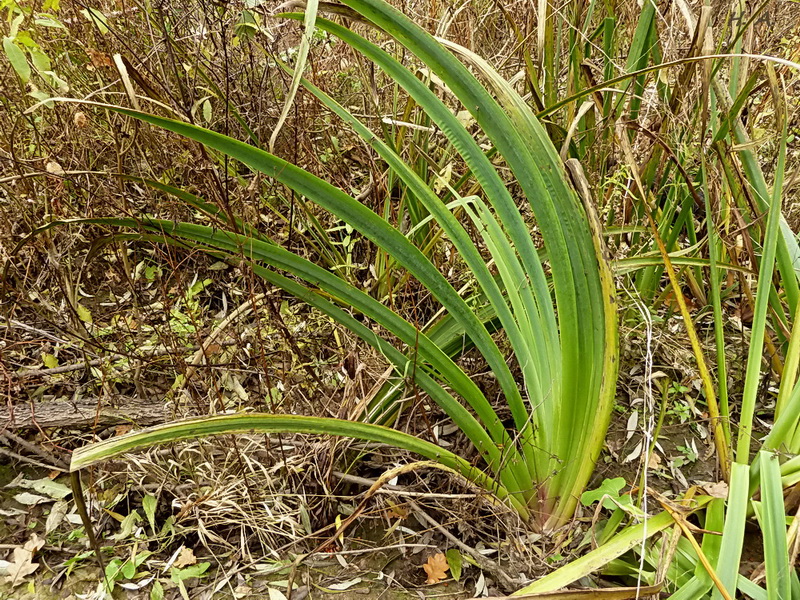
(648, 414)
(309, 23)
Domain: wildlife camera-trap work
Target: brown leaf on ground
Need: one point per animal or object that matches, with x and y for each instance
(22, 563)
(436, 568)
(185, 559)
(717, 489)
(395, 511)
(653, 461)
(99, 59)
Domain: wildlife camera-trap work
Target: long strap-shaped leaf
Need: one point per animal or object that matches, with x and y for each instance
(577, 284)
(263, 423)
(361, 218)
(524, 304)
(591, 411)
(496, 447)
(500, 197)
(446, 334)
(212, 210)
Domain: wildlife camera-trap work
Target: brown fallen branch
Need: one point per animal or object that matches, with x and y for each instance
(84, 413)
(620, 593)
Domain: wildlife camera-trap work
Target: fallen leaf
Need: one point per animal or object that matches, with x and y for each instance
(46, 486)
(653, 461)
(635, 453)
(54, 168)
(436, 568)
(276, 594)
(344, 585)
(29, 499)
(22, 564)
(99, 59)
(715, 490)
(56, 516)
(185, 558)
(632, 425)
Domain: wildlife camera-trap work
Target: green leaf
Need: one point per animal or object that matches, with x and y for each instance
(13, 31)
(113, 571)
(773, 528)
(42, 97)
(157, 591)
(730, 552)
(40, 60)
(56, 81)
(126, 527)
(267, 423)
(455, 563)
(84, 314)
(96, 17)
(47, 21)
(179, 575)
(16, 56)
(128, 569)
(149, 503)
(609, 488)
(598, 558)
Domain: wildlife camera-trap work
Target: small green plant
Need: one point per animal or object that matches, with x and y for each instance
(23, 51)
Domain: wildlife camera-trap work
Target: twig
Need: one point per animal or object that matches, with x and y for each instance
(36, 449)
(99, 361)
(379, 483)
(12, 454)
(484, 563)
(398, 489)
(50, 336)
(379, 548)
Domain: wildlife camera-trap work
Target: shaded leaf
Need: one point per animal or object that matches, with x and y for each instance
(46, 486)
(454, 562)
(149, 503)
